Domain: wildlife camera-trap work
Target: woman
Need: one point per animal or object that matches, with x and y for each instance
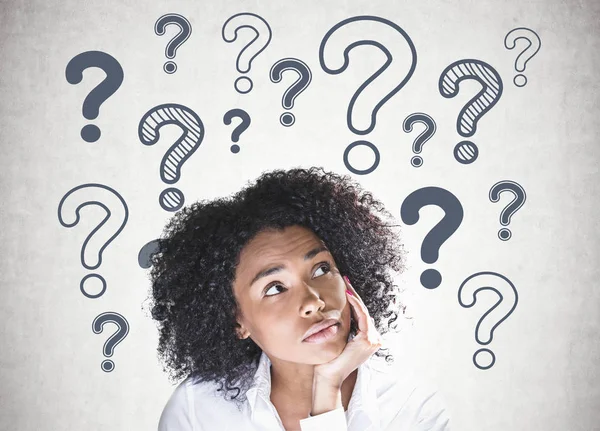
(255, 312)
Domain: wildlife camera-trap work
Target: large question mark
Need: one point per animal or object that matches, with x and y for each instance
(430, 128)
(106, 198)
(527, 54)
(466, 152)
(303, 81)
(110, 84)
(452, 219)
(110, 344)
(235, 135)
(229, 32)
(345, 31)
(498, 313)
(185, 29)
(519, 192)
(172, 199)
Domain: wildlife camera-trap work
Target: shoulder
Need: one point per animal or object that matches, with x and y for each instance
(176, 414)
(406, 399)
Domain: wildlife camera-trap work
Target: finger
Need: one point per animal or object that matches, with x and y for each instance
(351, 289)
(361, 313)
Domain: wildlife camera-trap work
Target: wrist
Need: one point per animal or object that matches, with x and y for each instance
(327, 395)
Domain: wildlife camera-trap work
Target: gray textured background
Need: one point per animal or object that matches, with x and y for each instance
(543, 136)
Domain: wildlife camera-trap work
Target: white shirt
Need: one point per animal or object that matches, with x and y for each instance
(385, 398)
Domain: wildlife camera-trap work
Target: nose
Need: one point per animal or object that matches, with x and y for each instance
(311, 301)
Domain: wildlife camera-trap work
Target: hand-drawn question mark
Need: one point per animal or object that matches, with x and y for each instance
(519, 192)
(110, 84)
(303, 81)
(466, 152)
(110, 344)
(71, 204)
(345, 31)
(453, 209)
(430, 128)
(185, 29)
(498, 313)
(527, 54)
(172, 199)
(261, 40)
(235, 135)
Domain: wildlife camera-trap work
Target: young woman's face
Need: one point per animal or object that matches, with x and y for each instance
(285, 282)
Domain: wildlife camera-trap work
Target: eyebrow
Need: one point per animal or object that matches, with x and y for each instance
(266, 272)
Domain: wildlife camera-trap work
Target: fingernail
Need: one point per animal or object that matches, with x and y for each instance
(349, 292)
(347, 280)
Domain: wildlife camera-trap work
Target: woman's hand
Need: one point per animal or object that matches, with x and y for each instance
(366, 342)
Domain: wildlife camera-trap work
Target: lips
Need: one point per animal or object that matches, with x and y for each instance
(325, 323)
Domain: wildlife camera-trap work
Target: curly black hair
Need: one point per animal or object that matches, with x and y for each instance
(193, 269)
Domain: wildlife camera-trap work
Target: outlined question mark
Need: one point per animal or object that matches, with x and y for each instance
(498, 313)
(527, 54)
(100, 93)
(466, 152)
(109, 346)
(185, 30)
(430, 128)
(106, 198)
(172, 199)
(303, 81)
(336, 63)
(519, 193)
(235, 135)
(409, 211)
(259, 42)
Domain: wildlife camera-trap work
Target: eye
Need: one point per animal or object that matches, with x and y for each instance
(325, 265)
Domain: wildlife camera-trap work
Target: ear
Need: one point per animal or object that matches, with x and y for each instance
(241, 331)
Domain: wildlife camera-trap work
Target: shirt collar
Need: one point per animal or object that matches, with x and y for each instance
(362, 408)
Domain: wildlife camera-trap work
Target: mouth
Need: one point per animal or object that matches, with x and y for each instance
(323, 335)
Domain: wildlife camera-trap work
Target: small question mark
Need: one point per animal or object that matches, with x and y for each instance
(235, 135)
(110, 344)
(497, 314)
(430, 128)
(303, 81)
(453, 209)
(147, 251)
(261, 40)
(345, 31)
(172, 199)
(72, 203)
(466, 152)
(185, 29)
(110, 84)
(519, 192)
(527, 54)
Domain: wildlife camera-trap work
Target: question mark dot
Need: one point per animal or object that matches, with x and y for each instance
(170, 67)
(287, 119)
(107, 366)
(243, 85)
(520, 80)
(477, 359)
(171, 199)
(416, 161)
(504, 234)
(430, 279)
(235, 149)
(90, 133)
(466, 152)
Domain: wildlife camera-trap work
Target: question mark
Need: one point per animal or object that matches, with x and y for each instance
(172, 199)
(235, 135)
(430, 128)
(110, 344)
(147, 251)
(72, 203)
(303, 81)
(495, 315)
(345, 31)
(453, 209)
(521, 61)
(466, 152)
(519, 192)
(185, 29)
(229, 32)
(110, 84)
